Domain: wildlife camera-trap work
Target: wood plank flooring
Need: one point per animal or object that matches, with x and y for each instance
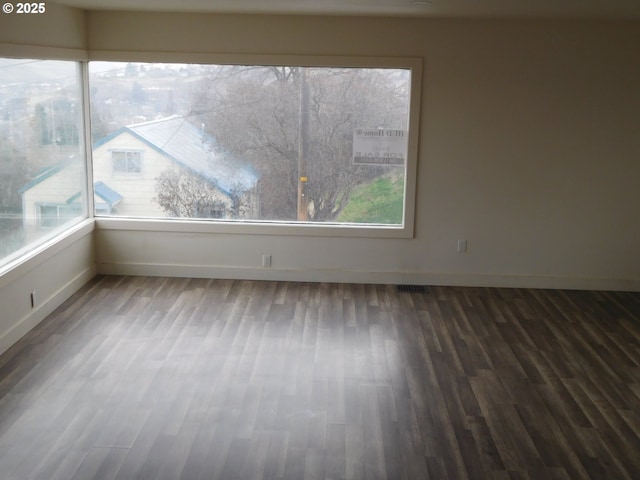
(158, 378)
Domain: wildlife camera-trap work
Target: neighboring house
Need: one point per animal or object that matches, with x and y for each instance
(131, 159)
(126, 167)
(53, 196)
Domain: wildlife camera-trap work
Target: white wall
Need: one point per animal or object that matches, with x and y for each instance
(528, 149)
(54, 271)
(60, 31)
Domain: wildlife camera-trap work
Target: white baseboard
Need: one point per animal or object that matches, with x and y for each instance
(11, 336)
(340, 276)
(27, 323)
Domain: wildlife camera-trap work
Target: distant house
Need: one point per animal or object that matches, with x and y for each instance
(127, 166)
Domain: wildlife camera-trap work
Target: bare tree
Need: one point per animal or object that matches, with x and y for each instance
(257, 116)
(185, 195)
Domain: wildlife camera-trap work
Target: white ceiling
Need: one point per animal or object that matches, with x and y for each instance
(435, 8)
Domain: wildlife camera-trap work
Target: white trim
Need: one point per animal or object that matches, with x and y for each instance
(12, 50)
(406, 230)
(245, 227)
(256, 59)
(39, 253)
(370, 277)
(88, 144)
(411, 168)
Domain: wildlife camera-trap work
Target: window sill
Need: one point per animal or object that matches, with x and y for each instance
(253, 228)
(44, 251)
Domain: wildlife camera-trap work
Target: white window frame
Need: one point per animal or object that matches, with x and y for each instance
(286, 228)
(48, 245)
(126, 173)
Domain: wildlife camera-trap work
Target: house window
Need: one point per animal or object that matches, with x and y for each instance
(51, 216)
(210, 211)
(276, 144)
(42, 156)
(127, 162)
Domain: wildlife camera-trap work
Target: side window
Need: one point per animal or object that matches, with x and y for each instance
(43, 179)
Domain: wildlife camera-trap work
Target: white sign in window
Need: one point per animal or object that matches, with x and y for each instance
(379, 146)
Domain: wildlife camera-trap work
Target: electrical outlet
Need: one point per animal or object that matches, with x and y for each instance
(266, 261)
(32, 297)
(462, 246)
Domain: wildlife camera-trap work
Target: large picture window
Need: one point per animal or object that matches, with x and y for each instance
(42, 159)
(278, 144)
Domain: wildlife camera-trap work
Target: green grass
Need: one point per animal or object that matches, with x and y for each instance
(380, 201)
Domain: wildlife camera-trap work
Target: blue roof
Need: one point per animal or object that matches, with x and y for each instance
(185, 144)
(107, 194)
(194, 149)
(73, 198)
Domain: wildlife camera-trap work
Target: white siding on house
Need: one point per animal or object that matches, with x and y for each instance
(138, 191)
(56, 189)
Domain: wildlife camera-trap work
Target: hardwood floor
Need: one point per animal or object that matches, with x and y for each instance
(155, 378)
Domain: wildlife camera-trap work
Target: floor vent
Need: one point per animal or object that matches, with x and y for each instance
(412, 288)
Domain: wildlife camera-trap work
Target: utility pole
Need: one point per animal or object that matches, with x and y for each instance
(303, 147)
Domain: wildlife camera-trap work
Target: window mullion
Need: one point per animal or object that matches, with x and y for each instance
(88, 147)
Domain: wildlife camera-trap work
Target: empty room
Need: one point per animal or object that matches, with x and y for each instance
(362, 239)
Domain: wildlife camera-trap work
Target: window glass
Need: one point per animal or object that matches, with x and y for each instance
(251, 143)
(127, 163)
(42, 161)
